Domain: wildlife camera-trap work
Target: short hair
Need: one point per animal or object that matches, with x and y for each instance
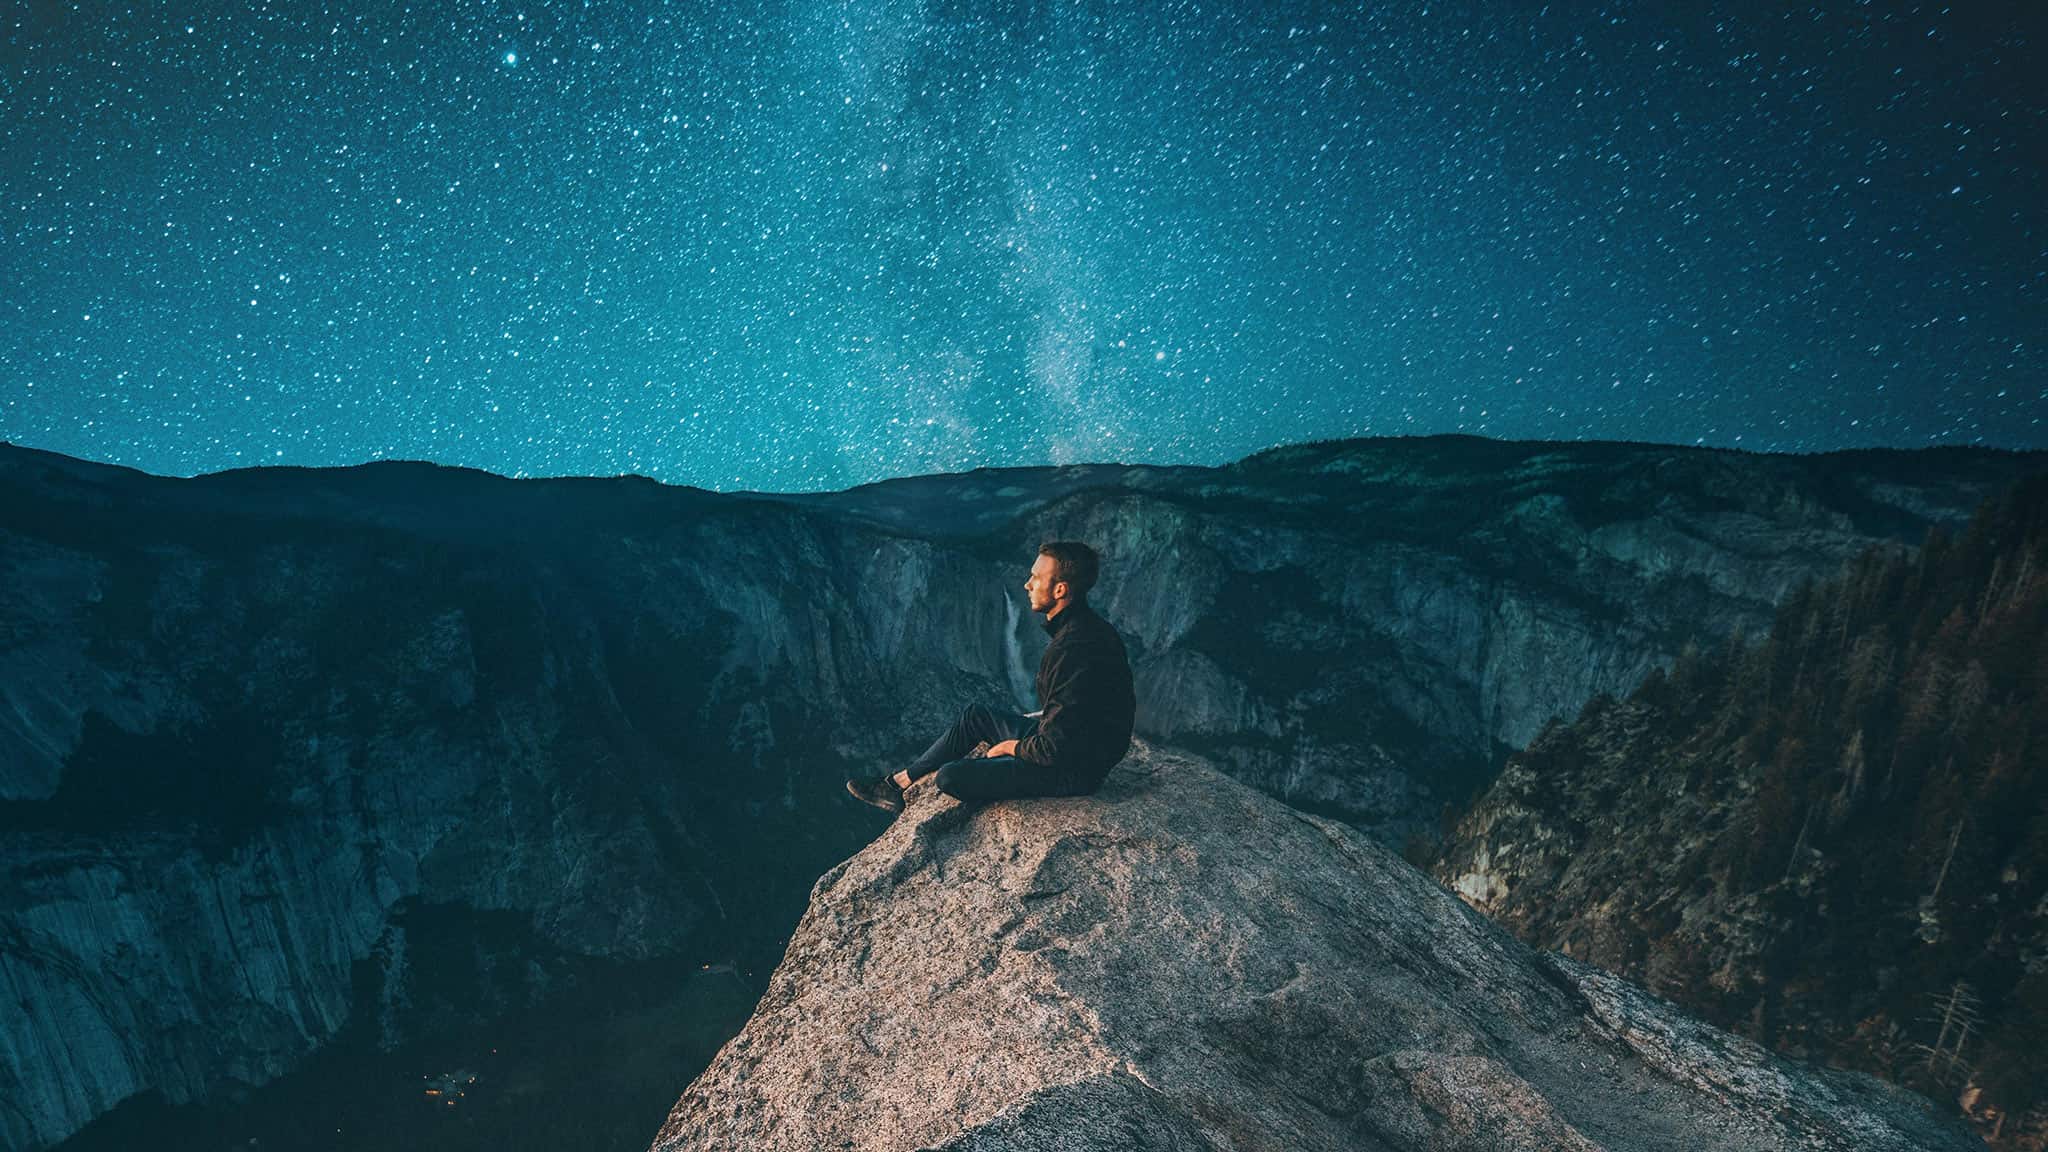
(1073, 563)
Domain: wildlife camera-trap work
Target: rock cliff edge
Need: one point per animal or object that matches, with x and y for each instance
(1179, 962)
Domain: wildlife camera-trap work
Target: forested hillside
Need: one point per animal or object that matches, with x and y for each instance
(1835, 840)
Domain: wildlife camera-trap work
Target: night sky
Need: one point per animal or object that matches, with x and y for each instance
(810, 245)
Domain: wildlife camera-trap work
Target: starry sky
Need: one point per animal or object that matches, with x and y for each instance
(811, 244)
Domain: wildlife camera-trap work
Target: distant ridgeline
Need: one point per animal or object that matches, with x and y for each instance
(1836, 840)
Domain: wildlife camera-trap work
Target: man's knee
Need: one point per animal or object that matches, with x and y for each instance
(1006, 778)
(965, 780)
(955, 773)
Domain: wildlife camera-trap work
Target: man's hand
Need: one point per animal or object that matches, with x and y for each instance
(1006, 748)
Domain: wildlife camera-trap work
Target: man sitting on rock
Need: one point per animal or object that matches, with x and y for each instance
(1082, 727)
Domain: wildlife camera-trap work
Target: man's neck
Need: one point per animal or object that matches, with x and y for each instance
(1059, 606)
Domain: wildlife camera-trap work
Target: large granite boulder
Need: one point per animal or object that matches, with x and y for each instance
(1180, 962)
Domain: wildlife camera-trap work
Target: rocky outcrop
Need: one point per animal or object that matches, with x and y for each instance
(244, 717)
(1179, 962)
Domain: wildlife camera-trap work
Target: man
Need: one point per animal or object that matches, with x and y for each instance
(1082, 728)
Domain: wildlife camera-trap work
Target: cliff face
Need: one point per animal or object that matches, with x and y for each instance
(1179, 962)
(1834, 840)
(1319, 618)
(245, 717)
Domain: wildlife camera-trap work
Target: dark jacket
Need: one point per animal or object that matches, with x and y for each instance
(1084, 687)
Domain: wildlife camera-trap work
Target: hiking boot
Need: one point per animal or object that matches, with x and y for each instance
(880, 791)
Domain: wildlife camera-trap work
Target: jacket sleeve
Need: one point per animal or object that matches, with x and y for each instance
(1080, 680)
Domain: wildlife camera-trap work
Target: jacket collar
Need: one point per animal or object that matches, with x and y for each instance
(1068, 615)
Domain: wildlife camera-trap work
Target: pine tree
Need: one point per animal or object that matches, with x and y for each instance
(1955, 1014)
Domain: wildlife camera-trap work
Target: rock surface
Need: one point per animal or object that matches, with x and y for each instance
(1179, 962)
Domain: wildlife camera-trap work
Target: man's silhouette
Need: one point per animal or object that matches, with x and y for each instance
(1082, 727)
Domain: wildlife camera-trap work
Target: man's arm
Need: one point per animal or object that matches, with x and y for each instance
(1079, 680)
(1009, 747)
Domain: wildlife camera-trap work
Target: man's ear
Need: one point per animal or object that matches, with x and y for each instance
(1059, 590)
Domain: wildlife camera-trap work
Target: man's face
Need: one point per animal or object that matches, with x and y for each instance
(1040, 586)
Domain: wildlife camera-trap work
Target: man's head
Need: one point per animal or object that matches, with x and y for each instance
(1063, 574)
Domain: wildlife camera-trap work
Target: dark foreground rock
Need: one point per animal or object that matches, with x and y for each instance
(1180, 962)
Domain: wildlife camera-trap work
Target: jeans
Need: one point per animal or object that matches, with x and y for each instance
(991, 777)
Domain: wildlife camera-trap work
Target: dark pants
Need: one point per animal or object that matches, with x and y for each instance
(991, 777)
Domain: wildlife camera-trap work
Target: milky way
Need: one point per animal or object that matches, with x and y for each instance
(811, 245)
